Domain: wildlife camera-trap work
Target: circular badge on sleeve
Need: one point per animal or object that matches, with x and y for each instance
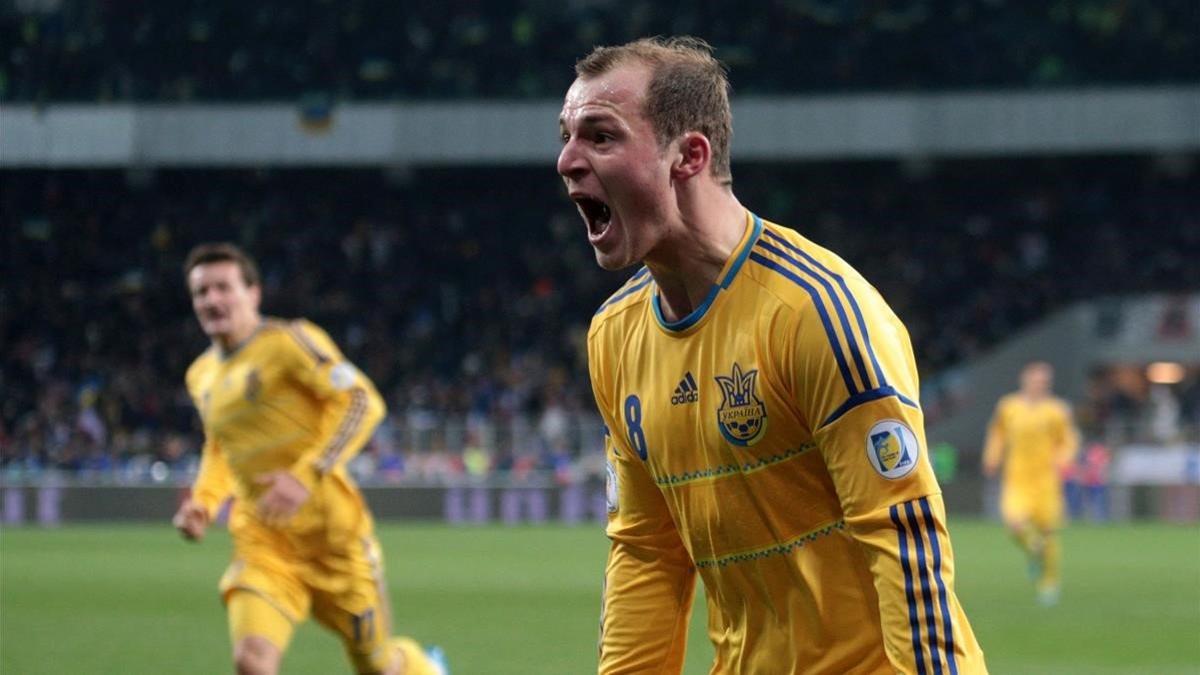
(892, 448)
(610, 487)
(342, 376)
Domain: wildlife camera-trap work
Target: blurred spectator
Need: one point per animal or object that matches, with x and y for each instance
(944, 457)
(1095, 460)
(1163, 414)
(1073, 487)
(466, 294)
(1176, 321)
(1121, 405)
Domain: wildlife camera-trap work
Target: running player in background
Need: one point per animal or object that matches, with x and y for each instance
(283, 412)
(760, 402)
(1033, 437)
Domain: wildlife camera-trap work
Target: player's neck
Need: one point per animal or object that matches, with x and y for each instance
(1035, 397)
(232, 341)
(688, 261)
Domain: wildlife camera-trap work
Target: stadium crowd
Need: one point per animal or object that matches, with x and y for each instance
(90, 50)
(466, 294)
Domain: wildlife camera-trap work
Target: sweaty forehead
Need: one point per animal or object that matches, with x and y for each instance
(618, 91)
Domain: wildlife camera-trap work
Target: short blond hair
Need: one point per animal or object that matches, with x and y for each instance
(688, 90)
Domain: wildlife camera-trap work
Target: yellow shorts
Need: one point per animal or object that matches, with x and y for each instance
(269, 588)
(1041, 507)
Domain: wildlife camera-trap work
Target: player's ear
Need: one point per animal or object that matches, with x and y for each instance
(693, 154)
(255, 293)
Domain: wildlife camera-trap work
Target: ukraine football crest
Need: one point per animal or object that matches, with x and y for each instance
(892, 449)
(742, 416)
(253, 385)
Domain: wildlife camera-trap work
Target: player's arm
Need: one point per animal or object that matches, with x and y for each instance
(993, 447)
(213, 485)
(214, 480)
(1067, 447)
(351, 405)
(870, 432)
(351, 409)
(649, 580)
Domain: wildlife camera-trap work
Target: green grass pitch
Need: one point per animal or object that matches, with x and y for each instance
(137, 599)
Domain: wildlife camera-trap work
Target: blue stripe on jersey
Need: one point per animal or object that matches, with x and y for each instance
(914, 624)
(644, 272)
(721, 284)
(816, 298)
(936, 549)
(862, 325)
(926, 594)
(757, 228)
(837, 305)
(692, 317)
(866, 397)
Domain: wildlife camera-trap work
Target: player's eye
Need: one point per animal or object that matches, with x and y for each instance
(564, 137)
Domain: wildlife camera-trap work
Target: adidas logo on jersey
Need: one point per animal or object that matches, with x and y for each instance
(686, 391)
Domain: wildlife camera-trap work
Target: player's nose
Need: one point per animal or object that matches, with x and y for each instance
(570, 161)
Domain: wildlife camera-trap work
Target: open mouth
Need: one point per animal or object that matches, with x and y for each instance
(597, 214)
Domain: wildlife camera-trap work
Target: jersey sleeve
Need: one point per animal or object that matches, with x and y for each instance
(649, 579)
(1068, 441)
(214, 480)
(855, 382)
(995, 444)
(351, 406)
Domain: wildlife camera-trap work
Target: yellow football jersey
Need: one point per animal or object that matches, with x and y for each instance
(1033, 439)
(285, 399)
(771, 442)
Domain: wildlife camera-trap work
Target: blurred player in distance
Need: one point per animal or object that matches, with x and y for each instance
(759, 398)
(283, 411)
(1033, 437)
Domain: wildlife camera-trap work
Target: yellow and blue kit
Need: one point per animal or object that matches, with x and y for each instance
(1035, 440)
(288, 400)
(771, 442)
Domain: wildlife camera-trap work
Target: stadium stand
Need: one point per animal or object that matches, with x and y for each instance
(98, 332)
(164, 52)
